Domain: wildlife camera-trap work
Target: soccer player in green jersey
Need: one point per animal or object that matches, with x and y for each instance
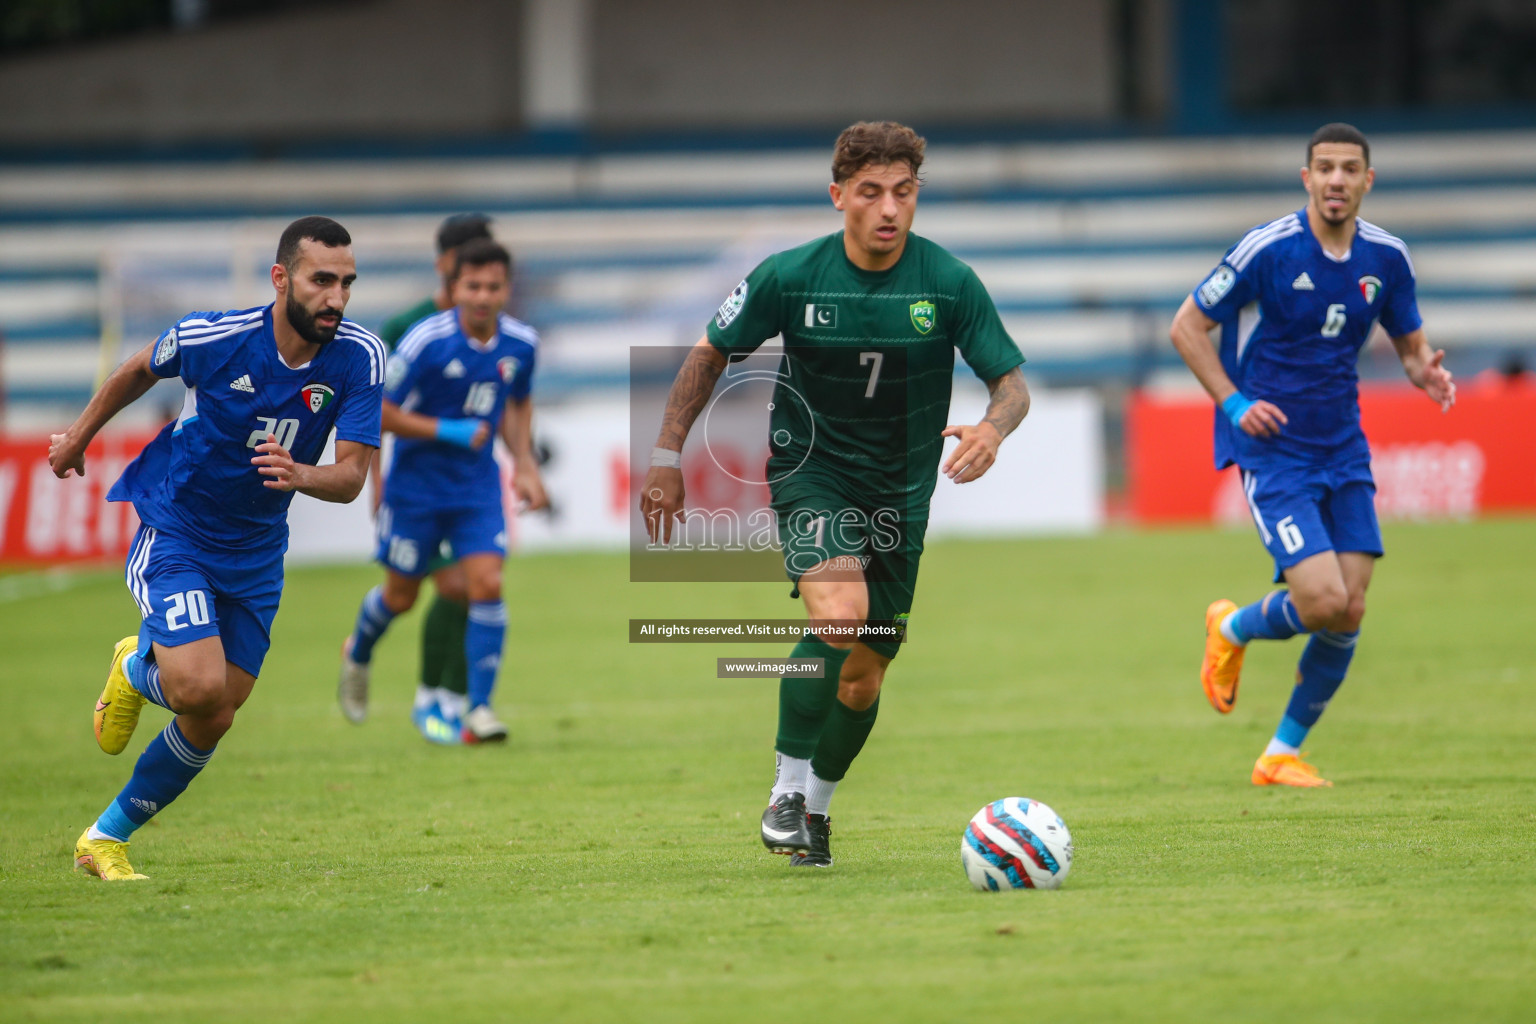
(871, 318)
(442, 695)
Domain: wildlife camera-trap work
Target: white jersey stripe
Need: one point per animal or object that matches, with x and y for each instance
(370, 344)
(204, 339)
(1250, 485)
(1371, 233)
(224, 321)
(423, 334)
(138, 559)
(1263, 231)
(1256, 240)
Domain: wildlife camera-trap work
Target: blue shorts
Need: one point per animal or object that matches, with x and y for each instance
(1301, 511)
(409, 537)
(186, 593)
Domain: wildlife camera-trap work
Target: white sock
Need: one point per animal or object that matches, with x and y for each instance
(95, 833)
(1227, 631)
(426, 696)
(453, 705)
(789, 775)
(818, 795)
(1277, 747)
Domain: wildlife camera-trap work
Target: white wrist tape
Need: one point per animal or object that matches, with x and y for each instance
(666, 457)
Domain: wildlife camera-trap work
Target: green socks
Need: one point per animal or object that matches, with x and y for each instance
(442, 646)
(805, 703)
(842, 738)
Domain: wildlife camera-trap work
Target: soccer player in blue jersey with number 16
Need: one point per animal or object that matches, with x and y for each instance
(1296, 300)
(265, 388)
(456, 378)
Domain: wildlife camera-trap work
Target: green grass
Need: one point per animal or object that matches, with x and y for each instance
(605, 865)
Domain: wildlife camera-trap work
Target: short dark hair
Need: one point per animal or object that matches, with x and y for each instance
(1338, 131)
(478, 252)
(461, 228)
(317, 229)
(874, 143)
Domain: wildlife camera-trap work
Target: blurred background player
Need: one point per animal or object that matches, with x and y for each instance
(1297, 299)
(871, 318)
(441, 696)
(455, 379)
(265, 388)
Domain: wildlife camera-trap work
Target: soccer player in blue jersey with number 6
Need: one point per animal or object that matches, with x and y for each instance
(265, 388)
(1296, 300)
(455, 379)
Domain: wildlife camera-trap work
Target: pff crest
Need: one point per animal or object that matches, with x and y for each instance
(316, 396)
(1369, 287)
(923, 316)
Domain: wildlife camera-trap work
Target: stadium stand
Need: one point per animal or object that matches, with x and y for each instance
(1087, 246)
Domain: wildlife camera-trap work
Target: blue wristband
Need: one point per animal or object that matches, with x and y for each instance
(459, 432)
(1235, 406)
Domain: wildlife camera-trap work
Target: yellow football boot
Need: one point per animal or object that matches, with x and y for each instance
(1223, 661)
(107, 859)
(1286, 770)
(117, 709)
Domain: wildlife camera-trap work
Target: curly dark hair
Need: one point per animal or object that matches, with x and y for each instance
(874, 143)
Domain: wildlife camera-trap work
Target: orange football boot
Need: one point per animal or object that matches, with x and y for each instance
(1286, 770)
(1223, 661)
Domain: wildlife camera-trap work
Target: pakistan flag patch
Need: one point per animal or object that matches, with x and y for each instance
(316, 396)
(923, 316)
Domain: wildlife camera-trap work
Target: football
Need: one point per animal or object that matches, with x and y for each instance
(1016, 843)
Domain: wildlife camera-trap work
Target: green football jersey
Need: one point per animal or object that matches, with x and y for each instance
(863, 389)
(395, 327)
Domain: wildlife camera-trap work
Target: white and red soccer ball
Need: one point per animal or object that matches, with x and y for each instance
(1016, 843)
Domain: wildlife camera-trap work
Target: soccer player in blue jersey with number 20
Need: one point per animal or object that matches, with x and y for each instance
(1296, 300)
(265, 388)
(450, 380)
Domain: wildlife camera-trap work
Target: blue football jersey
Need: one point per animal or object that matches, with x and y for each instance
(195, 478)
(439, 371)
(1293, 320)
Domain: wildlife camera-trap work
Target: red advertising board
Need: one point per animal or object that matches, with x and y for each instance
(45, 520)
(1480, 457)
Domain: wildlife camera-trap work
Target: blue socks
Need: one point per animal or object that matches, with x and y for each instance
(1273, 618)
(165, 768)
(145, 677)
(1318, 676)
(482, 648)
(373, 618)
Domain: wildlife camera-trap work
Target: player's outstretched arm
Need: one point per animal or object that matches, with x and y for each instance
(662, 495)
(127, 384)
(977, 450)
(1190, 334)
(1425, 367)
(470, 432)
(340, 482)
(517, 435)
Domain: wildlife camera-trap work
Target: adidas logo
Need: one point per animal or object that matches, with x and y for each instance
(243, 383)
(454, 369)
(144, 805)
(1303, 283)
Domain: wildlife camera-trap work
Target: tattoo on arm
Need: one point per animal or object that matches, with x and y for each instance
(1010, 401)
(690, 392)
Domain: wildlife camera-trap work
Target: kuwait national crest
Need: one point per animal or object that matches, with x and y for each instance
(923, 315)
(1369, 286)
(316, 396)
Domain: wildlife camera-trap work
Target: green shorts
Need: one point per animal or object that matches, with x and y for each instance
(818, 523)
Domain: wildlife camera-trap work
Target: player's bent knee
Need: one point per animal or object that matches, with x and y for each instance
(1321, 609)
(861, 692)
(194, 694)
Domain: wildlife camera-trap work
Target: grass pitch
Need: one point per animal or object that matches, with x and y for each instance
(605, 865)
